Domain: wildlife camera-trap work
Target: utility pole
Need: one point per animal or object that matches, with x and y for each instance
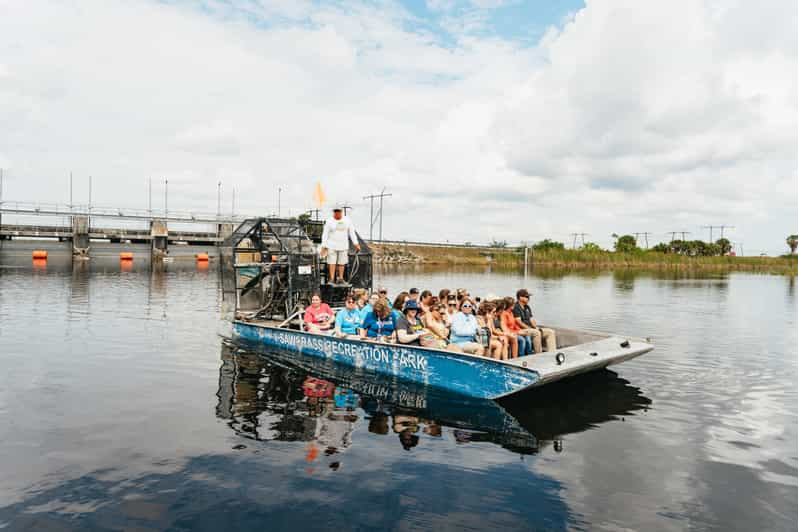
(381, 211)
(89, 194)
(279, 197)
(219, 199)
(722, 227)
(582, 235)
(166, 198)
(645, 236)
(712, 227)
(372, 197)
(233, 206)
(149, 197)
(674, 233)
(70, 191)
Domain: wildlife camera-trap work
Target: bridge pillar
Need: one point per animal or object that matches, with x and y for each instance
(224, 230)
(80, 235)
(160, 239)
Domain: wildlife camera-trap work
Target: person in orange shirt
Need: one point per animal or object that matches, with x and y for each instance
(511, 327)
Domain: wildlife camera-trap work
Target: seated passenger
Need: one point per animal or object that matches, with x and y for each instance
(319, 317)
(379, 324)
(464, 329)
(369, 308)
(348, 321)
(433, 321)
(512, 329)
(399, 304)
(425, 300)
(496, 344)
(451, 309)
(361, 297)
(523, 317)
(510, 341)
(443, 295)
(409, 328)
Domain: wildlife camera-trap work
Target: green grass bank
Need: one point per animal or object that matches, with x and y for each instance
(567, 258)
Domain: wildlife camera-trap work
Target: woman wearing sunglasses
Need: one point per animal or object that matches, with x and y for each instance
(433, 321)
(464, 329)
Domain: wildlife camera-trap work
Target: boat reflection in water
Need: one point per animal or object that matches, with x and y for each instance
(284, 396)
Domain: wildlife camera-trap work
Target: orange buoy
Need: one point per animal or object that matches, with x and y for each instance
(202, 257)
(40, 254)
(126, 255)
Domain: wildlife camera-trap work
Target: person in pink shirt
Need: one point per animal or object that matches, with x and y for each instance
(319, 317)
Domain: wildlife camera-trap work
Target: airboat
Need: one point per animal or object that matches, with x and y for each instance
(274, 269)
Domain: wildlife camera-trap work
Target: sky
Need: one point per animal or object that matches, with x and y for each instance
(485, 119)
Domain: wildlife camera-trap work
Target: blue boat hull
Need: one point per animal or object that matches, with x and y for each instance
(464, 374)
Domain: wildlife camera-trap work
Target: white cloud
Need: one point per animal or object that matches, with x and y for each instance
(632, 116)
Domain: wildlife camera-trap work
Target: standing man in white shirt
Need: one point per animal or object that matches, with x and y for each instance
(338, 230)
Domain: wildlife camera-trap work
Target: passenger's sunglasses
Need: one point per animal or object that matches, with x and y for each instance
(452, 304)
(467, 306)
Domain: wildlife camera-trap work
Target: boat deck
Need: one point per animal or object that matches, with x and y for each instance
(582, 358)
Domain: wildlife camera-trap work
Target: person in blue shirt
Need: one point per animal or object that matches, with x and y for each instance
(380, 324)
(369, 307)
(348, 321)
(464, 329)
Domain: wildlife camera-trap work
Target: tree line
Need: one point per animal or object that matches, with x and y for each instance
(690, 248)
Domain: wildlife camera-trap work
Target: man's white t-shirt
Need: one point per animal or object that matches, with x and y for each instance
(337, 233)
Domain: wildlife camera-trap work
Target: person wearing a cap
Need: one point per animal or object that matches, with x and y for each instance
(529, 326)
(413, 294)
(409, 328)
(338, 230)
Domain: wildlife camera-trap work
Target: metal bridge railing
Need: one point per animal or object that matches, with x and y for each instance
(57, 209)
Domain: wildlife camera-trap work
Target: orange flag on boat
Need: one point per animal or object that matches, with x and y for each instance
(319, 199)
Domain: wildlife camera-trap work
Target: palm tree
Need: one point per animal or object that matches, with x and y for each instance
(792, 241)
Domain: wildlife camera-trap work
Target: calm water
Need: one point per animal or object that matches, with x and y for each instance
(123, 407)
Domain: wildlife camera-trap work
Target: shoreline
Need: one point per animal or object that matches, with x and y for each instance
(575, 259)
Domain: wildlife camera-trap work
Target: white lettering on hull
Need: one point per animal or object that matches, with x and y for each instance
(359, 354)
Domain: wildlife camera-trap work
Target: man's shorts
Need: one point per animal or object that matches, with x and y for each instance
(338, 257)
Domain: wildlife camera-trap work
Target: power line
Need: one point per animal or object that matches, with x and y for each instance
(674, 233)
(645, 236)
(372, 218)
(721, 227)
(583, 235)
